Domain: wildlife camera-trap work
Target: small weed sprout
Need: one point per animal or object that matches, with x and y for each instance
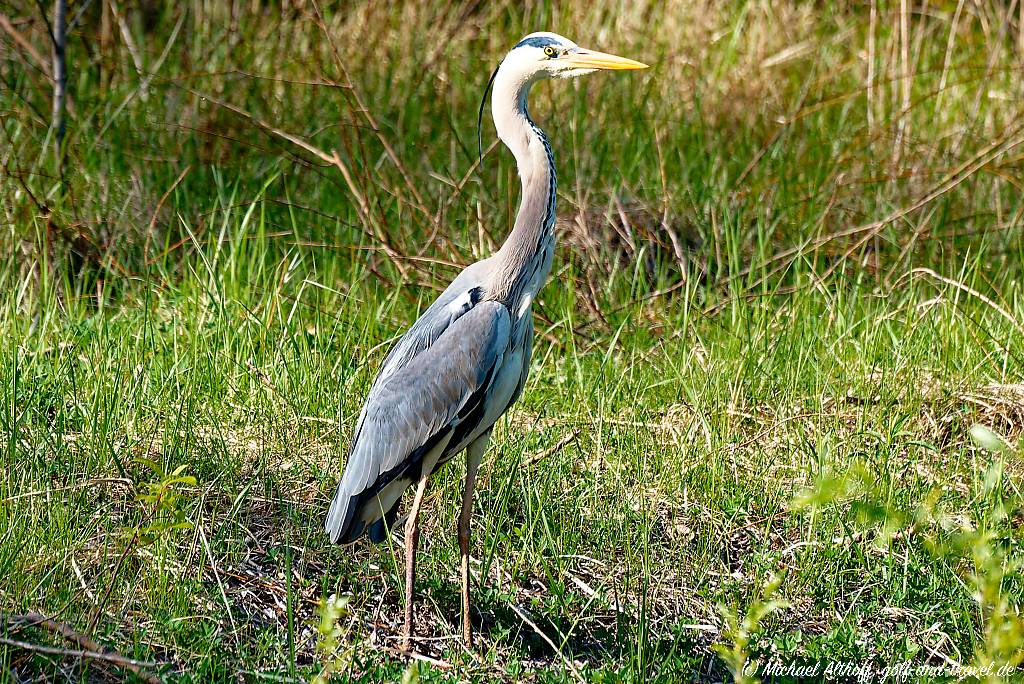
(411, 675)
(994, 563)
(741, 631)
(331, 635)
(162, 497)
(163, 513)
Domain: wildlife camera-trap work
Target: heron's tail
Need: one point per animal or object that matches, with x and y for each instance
(346, 519)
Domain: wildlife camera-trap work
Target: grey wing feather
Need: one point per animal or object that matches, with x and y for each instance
(415, 404)
(434, 321)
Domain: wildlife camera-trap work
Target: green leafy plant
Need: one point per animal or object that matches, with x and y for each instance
(163, 499)
(740, 630)
(993, 564)
(331, 635)
(980, 543)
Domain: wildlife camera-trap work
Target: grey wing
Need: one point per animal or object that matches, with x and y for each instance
(413, 408)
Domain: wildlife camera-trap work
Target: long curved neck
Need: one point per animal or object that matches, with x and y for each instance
(524, 260)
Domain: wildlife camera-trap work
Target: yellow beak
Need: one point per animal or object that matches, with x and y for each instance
(589, 59)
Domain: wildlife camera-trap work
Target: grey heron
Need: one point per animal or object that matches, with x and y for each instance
(464, 362)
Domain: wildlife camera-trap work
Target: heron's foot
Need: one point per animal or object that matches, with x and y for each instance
(407, 633)
(476, 655)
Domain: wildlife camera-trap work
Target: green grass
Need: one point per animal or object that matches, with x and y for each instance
(791, 406)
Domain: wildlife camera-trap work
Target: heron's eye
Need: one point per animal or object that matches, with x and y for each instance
(550, 52)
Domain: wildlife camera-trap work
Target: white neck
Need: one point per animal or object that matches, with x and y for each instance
(524, 259)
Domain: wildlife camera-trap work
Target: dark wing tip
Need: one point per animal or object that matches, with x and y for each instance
(340, 517)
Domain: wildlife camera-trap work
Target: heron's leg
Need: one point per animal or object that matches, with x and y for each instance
(474, 453)
(412, 533)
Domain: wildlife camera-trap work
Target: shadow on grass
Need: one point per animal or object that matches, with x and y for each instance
(618, 646)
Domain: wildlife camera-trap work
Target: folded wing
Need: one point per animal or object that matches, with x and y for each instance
(415, 404)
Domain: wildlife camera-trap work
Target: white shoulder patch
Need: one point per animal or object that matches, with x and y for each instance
(461, 304)
(524, 304)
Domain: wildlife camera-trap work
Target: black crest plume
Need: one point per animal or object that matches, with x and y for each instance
(480, 114)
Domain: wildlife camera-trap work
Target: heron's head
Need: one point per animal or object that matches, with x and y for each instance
(539, 56)
(549, 55)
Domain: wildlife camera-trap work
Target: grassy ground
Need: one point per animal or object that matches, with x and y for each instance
(782, 339)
